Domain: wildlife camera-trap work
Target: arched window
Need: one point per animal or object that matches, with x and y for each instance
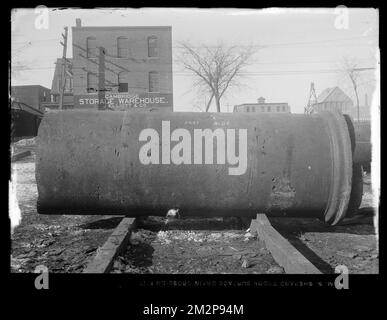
(122, 47)
(123, 81)
(152, 46)
(91, 45)
(153, 81)
(92, 82)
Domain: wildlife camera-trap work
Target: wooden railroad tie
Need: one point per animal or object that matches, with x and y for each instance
(103, 261)
(286, 255)
(20, 155)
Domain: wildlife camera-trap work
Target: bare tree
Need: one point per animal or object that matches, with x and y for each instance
(350, 67)
(19, 64)
(215, 68)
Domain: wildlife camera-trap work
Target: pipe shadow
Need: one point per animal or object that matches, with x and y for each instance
(293, 229)
(139, 255)
(309, 254)
(109, 223)
(360, 224)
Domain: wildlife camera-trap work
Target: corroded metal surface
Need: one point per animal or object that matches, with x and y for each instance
(363, 142)
(206, 164)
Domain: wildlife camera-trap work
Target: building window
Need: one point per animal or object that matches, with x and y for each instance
(91, 44)
(268, 109)
(247, 109)
(92, 82)
(123, 82)
(262, 109)
(122, 47)
(283, 109)
(68, 84)
(153, 82)
(278, 108)
(152, 47)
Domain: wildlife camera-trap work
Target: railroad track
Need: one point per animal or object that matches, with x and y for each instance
(195, 245)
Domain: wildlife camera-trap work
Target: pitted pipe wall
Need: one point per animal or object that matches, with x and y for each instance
(206, 164)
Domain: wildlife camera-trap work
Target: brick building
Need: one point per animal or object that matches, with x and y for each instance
(263, 107)
(137, 67)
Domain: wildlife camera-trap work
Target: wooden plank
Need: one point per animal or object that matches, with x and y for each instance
(103, 261)
(282, 251)
(20, 155)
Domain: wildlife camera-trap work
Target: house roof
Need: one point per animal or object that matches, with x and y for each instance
(263, 104)
(333, 94)
(15, 105)
(30, 86)
(119, 28)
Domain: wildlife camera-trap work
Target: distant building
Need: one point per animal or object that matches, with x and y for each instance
(32, 95)
(333, 99)
(263, 107)
(138, 66)
(364, 111)
(25, 120)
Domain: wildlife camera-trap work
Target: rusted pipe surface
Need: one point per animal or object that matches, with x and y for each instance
(207, 164)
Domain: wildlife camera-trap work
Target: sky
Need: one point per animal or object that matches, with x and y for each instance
(294, 48)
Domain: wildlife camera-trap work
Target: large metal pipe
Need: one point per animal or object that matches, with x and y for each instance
(103, 162)
(363, 143)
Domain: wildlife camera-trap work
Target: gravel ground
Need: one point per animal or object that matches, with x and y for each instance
(213, 245)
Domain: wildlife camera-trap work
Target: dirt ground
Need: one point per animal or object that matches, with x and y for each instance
(189, 245)
(353, 246)
(195, 245)
(62, 243)
(352, 243)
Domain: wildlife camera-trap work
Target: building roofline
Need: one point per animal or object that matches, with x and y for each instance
(262, 104)
(347, 98)
(333, 89)
(25, 107)
(123, 28)
(30, 85)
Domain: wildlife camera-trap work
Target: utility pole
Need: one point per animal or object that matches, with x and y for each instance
(312, 99)
(101, 79)
(63, 77)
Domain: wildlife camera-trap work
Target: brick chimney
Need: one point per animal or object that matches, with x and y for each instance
(78, 23)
